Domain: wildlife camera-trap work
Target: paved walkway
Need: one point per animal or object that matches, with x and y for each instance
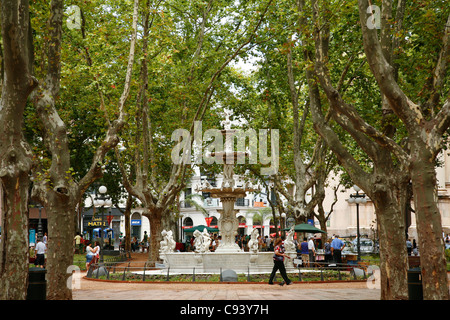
(100, 290)
(95, 290)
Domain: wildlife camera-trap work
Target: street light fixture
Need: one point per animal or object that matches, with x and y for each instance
(357, 199)
(101, 201)
(40, 227)
(283, 223)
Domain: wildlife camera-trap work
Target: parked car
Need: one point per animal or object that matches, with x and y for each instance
(365, 245)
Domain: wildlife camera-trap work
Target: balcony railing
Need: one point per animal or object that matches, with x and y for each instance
(214, 202)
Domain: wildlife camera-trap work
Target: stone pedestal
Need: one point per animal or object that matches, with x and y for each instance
(228, 225)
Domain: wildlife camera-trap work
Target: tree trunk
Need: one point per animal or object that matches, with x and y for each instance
(127, 214)
(15, 154)
(60, 212)
(429, 227)
(155, 218)
(14, 244)
(393, 254)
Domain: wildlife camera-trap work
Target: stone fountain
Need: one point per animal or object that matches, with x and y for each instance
(227, 192)
(228, 255)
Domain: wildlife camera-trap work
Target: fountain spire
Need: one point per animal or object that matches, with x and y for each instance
(228, 192)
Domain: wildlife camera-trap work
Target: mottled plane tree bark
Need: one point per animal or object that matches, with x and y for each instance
(15, 153)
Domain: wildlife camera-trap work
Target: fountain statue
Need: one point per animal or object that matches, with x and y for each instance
(253, 243)
(202, 241)
(289, 244)
(167, 244)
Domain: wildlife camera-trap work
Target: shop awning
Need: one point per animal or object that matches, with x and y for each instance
(201, 228)
(304, 227)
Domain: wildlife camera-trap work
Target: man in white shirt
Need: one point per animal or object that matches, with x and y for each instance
(312, 250)
(39, 253)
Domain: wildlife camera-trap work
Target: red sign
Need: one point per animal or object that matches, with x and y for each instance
(208, 220)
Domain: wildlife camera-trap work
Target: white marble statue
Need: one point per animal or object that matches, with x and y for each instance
(227, 122)
(198, 240)
(289, 244)
(167, 245)
(253, 243)
(202, 241)
(206, 240)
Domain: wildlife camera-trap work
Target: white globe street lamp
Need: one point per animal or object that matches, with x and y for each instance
(102, 189)
(101, 201)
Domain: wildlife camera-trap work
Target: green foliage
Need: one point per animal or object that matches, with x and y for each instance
(183, 55)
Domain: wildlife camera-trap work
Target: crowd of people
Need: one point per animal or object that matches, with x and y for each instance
(306, 249)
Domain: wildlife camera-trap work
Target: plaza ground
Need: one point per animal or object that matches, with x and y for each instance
(85, 289)
(100, 290)
(95, 290)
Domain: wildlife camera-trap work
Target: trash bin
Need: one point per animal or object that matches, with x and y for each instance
(37, 284)
(415, 284)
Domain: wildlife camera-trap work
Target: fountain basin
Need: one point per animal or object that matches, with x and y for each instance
(215, 261)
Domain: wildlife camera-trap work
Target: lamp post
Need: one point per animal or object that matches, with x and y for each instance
(100, 202)
(357, 198)
(40, 228)
(283, 223)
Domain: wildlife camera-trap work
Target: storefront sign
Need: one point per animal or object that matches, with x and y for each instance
(136, 222)
(97, 222)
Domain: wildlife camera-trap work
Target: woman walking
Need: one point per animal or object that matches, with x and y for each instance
(278, 263)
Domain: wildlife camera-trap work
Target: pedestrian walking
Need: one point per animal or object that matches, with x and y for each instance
(278, 263)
